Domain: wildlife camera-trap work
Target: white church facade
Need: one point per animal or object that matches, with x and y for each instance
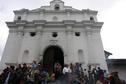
(54, 33)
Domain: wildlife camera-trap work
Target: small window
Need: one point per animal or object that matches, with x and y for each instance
(32, 34)
(54, 34)
(19, 18)
(23, 34)
(92, 18)
(77, 33)
(25, 57)
(57, 7)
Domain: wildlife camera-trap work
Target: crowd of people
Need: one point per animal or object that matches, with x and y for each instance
(68, 74)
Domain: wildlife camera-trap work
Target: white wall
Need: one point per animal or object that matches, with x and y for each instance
(12, 49)
(95, 49)
(48, 16)
(89, 41)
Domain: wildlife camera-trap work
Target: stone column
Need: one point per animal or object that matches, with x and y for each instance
(25, 16)
(41, 16)
(69, 46)
(88, 35)
(68, 15)
(85, 15)
(38, 43)
(20, 35)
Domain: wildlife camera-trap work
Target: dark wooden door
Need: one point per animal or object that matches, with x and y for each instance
(52, 55)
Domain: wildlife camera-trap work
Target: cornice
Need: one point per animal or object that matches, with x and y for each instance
(88, 11)
(39, 10)
(92, 23)
(39, 22)
(21, 11)
(63, 23)
(69, 22)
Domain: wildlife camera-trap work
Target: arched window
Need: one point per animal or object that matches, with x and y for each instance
(81, 55)
(77, 33)
(19, 18)
(92, 18)
(25, 56)
(32, 34)
(57, 7)
(54, 34)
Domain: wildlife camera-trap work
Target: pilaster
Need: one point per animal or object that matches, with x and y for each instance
(41, 15)
(39, 33)
(69, 45)
(68, 15)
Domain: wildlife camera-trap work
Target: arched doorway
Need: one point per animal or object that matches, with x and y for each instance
(52, 55)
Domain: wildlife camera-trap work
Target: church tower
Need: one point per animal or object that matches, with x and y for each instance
(54, 33)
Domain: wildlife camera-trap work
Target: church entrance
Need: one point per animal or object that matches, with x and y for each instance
(52, 55)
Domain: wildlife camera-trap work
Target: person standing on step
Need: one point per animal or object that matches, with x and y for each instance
(57, 70)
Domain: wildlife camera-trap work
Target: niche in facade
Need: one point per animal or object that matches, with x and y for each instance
(92, 18)
(77, 33)
(25, 56)
(57, 7)
(54, 34)
(81, 55)
(32, 34)
(19, 18)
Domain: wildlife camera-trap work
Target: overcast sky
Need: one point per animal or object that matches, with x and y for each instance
(111, 12)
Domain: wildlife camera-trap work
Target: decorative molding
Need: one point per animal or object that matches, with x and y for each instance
(88, 11)
(39, 22)
(38, 25)
(53, 42)
(64, 10)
